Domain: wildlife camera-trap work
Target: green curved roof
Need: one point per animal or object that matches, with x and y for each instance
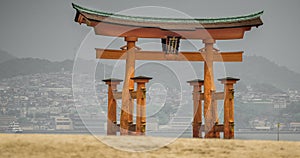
(169, 20)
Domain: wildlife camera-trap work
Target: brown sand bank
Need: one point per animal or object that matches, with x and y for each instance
(77, 146)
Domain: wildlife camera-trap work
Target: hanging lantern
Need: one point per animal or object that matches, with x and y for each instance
(170, 45)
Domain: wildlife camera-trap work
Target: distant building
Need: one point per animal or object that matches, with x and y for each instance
(94, 122)
(295, 126)
(63, 123)
(5, 120)
(279, 104)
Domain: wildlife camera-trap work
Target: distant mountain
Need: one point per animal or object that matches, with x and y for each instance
(92, 67)
(4, 56)
(27, 66)
(256, 70)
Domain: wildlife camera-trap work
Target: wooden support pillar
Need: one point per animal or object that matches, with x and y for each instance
(141, 104)
(197, 121)
(112, 105)
(210, 106)
(228, 106)
(127, 102)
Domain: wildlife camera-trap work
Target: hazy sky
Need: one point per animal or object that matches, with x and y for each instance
(46, 28)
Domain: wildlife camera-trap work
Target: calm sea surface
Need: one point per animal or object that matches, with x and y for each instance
(268, 136)
(238, 135)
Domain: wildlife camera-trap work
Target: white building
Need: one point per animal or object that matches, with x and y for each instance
(63, 123)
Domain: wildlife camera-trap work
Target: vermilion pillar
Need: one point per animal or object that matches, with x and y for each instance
(127, 101)
(197, 119)
(141, 103)
(228, 106)
(112, 105)
(210, 106)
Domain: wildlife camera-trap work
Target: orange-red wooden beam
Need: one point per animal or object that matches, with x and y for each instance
(158, 55)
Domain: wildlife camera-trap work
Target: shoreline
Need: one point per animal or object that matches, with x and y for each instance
(67, 146)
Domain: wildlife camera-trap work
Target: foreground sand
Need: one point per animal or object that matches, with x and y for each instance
(77, 146)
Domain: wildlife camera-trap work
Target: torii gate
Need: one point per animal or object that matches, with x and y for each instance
(170, 30)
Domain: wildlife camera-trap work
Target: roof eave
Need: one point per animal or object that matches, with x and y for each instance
(96, 15)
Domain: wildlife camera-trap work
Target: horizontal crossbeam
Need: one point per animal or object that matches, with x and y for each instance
(217, 128)
(118, 95)
(217, 96)
(131, 127)
(158, 55)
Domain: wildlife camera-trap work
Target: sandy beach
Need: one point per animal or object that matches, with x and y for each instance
(77, 146)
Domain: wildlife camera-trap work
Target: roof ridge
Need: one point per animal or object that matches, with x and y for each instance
(158, 19)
